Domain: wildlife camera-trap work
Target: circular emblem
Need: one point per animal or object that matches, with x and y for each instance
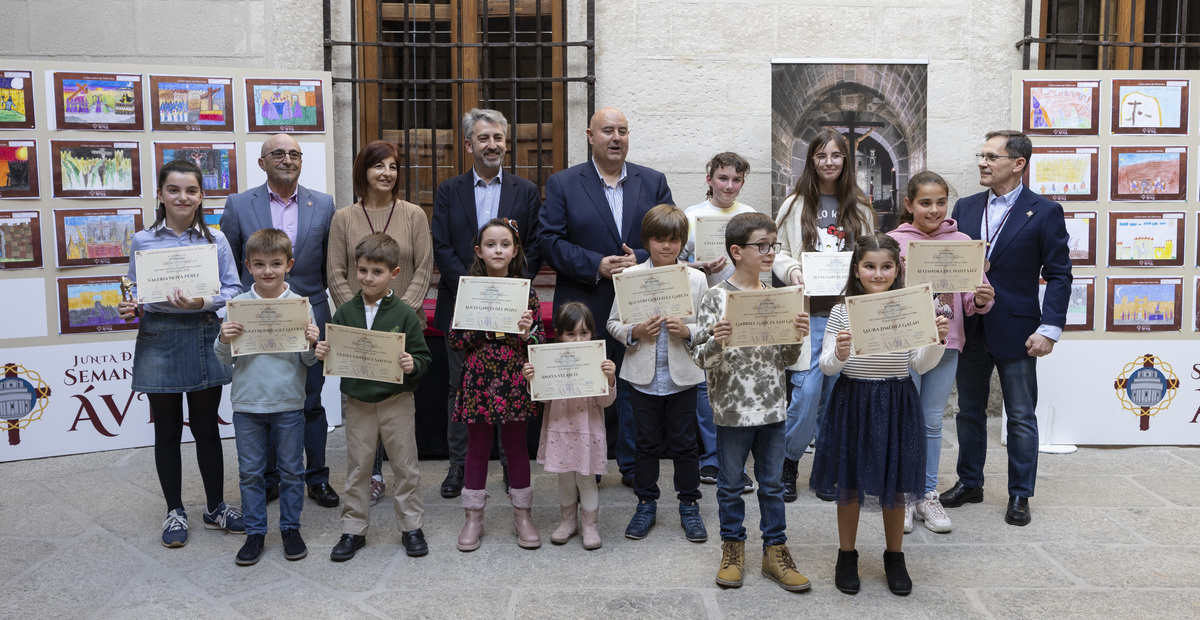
(1145, 387)
(23, 399)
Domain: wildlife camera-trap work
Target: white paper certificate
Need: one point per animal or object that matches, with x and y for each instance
(950, 266)
(764, 316)
(892, 320)
(490, 304)
(710, 237)
(567, 370)
(364, 354)
(825, 273)
(644, 293)
(192, 269)
(270, 325)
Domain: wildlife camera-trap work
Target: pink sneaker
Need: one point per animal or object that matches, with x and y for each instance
(378, 486)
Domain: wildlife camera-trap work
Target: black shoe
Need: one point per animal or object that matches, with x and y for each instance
(347, 547)
(1018, 511)
(414, 543)
(845, 574)
(251, 550)
(959, 495)
(825, 497)
(897, 573)
(272, 492)
(708, 474)
(507, 486)
(324, 494)
(627, 480)
(293, 545)
(789, 479)
(747, 484)
(453, 484)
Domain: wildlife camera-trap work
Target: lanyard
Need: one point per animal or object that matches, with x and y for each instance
(987, 221)
(389, 220)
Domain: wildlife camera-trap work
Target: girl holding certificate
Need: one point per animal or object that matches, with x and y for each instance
(173, 355)
(872, 442)
(926, 204)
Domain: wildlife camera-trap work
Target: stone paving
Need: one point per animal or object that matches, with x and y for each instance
(1115, 533)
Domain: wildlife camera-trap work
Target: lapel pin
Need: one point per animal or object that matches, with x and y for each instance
(310, 204)
(1027, 213)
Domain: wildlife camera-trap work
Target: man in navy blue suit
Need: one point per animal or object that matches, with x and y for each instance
(591, 227)
(1026, 238)
(462, 206)
(304, 215)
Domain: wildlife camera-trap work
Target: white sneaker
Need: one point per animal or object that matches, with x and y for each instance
(908, 517)
(931, 512)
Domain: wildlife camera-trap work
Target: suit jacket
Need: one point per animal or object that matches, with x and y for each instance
(455, 226)
(577, 230)
(1032, 243)
(638, 367)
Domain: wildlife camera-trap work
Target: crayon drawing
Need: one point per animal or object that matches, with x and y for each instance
(20, 240)
(89, 305)
(1148, 173)
(1079, 311)
(98, 236)
(1144, 304)
(18, 171)
(100, 101)
(1146, 239)
(212, 217)
(96, 169)
(216, 163)
(1149, 106)
(1061, 173)
(1079, 238)
(191, 104)
(13, 104)
(1060, 108)
(285, 105)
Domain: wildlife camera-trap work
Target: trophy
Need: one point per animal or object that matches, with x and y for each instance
(127, 295)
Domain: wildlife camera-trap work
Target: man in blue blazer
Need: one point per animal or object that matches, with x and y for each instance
(462, 206)
(591, 227)
(1026, 238)
(304, 215)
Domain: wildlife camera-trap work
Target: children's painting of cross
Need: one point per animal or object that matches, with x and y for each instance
(86, 169)
(98, 101)
(284, 106)
(191, 103)
(217, 163)
(1150, 107)
(16, 100)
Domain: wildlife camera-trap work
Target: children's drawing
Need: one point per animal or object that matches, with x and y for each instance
(16, 100)
(89, 305)
(1080, 239)
(1140, 239)
(1064, 174)
(95, 236)
(1150, 173)
(182, 103)
(284, 105)
(1144, 305)
(212, 217)
(1080, 308)
(96, 170)
(18, 169)
(20, 240)
(1060, 108)
(98, 101)
(217, 163)
(1150, 106)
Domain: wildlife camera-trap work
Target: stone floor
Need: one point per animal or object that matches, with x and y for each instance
(1115, 533)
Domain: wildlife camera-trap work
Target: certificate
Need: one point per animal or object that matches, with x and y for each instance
(192, 269)
(662, 291)
(892, 320)
(490, 304)
(710, 237)
(567, 370)
(950, 266)
(364, 354)
(825, 273)
(270, 325)
(764, 316)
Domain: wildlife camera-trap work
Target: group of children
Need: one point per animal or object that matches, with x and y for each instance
(871, 444)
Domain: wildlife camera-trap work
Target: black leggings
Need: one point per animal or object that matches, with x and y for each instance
(167, 412)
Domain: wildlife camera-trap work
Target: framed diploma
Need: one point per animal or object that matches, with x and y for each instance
(892, 320)
(270, 325)
(1060, 107)
(661, 291)
(1149, 173)
(490, 304)
(87, 237)
(19, 169)
(364, 354)
(1064, 173)
(1144, 304)
(1081, 237)
(1081, 308)
(1150, 106)
(825, 273)
(764, 317)
(949, 266)
(191, 269)
(88, 305)
(1145, 239)
(710, 237)
(567, 370)
(22, 232)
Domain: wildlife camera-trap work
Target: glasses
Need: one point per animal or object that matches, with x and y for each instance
(993, 158)
(822, 158)
(281, 154)
(764, 247)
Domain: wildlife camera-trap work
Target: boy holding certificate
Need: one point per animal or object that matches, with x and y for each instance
(746, 389)
(268, 404)
(379, 409)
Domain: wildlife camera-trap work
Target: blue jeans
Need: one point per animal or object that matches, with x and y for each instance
(810, 396)
(1018, 385)
(285, 432)
(316, 423)
(706, 429)
(626, 430)
(935, 387)
(765, 442)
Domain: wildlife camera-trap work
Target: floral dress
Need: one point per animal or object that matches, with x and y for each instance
(493, 390)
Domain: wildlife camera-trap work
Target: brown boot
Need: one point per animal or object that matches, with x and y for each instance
(733, 557)
(473, 501)
(566, 528)
(777, 565)
(527, 534)
(589, 524)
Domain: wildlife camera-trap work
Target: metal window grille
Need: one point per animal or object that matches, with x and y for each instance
(1113, 34)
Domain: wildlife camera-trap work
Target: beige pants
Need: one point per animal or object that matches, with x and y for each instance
(393, 420)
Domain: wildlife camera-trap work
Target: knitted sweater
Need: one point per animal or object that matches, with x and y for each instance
(408, 226)
(392, 316)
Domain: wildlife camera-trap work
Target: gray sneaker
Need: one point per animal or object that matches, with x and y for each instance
(930, 511)
(174, 529)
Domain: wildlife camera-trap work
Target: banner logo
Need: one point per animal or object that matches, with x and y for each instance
(1146, 386)
(23, 398)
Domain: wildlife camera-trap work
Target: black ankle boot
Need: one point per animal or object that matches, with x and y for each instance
(845, 575)
(897, 574)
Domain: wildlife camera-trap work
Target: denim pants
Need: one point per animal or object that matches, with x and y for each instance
(706, 429)
(734, 444)
(254, 432)
(1018, 385)
(811, 390)
(316, 423)
(934, 387)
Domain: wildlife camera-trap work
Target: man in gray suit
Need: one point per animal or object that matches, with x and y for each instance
(304, 215)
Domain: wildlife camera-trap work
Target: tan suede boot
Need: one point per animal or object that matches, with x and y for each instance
(527, 534)
(589, 524)
(566, 528)
(473, 503)
(777, 565)
(733, 556)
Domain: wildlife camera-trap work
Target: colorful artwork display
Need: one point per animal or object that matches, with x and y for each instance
(88, 305)
(212, 216)
(95, 236)
(20, 240)
(1141, 239)
(1081, 307)
(1149, 173)
(1081, 237)
(18, 169)
(1061, 108)
(16, 100)
(289, 106)
(96, 169)
(1196, 303)
(98, 101)
(217, 162)
(189, 103)
(1150, 106)
(1144, 304)
(1064, 174)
